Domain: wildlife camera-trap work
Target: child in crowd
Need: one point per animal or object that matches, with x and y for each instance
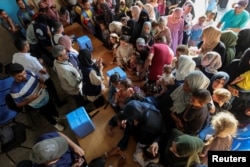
(114, 81)
(87, 16)
(225, 126)
(114, 43)
(124, 93)
(124, 51)
(155, 29)
(210, 20)
(64, 16)
(221, 97)
(133, 62)
(196, 32)
(180, 50)
(123, 8)
(166, 79)
(196, 115)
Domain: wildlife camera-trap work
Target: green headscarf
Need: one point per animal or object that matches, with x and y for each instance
(187, 147)
(229, 38)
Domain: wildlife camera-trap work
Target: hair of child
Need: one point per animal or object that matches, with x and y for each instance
(126, 83)
(222, 94)
(223, 122)
(182, 49)
(203, 95)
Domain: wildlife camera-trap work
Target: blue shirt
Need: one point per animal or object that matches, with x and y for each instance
(232, 20)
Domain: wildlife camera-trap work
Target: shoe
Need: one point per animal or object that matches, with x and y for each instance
(59, 127)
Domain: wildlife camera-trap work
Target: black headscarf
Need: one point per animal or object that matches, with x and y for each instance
(243, 42)
(239, 66)
(84, 58)
(218, 75)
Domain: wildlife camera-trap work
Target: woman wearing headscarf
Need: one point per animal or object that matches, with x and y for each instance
(210, 63)
(146, 33)
(143, 17)
(243, 42)
(115, 27)
(211, 42)
(176, 25)
(178, 99)
(180, 150)
(135, 12)
(92, 75)
(238, 66)
(185, 65)
(229, 38)
(218, 80)
(150, 9)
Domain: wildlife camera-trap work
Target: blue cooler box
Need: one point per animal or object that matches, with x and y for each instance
(84, 42)
(122, 74)
(79, 122)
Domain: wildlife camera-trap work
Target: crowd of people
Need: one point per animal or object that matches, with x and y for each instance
(196, 74)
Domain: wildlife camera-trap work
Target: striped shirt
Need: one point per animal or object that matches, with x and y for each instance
(21, 91)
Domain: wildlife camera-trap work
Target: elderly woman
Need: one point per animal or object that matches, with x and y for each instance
(180, 150)
(211, 42)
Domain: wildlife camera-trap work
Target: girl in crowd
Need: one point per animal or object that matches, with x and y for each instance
(225, 126)
(124, 51)
(125, 91)
(196, 32)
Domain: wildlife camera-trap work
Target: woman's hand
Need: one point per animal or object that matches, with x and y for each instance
(233, 91)
(154, 148)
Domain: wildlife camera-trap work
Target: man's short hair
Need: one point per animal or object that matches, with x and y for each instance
(57, 26)
(57, 50)
(15, 68)
(20, 44)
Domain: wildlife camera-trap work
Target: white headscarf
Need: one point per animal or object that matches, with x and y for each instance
(185, 66)
(181, 99)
